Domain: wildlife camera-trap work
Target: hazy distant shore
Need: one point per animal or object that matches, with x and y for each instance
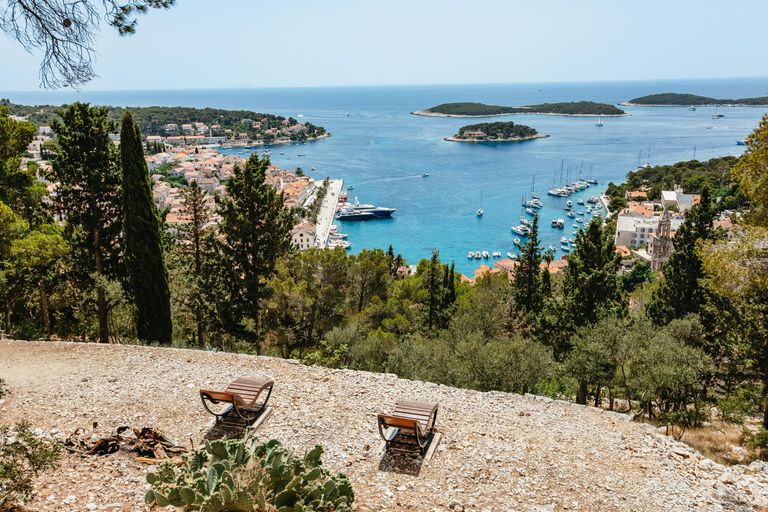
(628, 104)
(427, 113)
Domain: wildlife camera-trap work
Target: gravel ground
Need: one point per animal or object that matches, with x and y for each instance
(498, 451)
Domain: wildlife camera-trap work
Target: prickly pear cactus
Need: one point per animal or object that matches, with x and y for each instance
(234, 476)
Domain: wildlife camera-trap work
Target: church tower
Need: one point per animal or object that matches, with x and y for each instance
(662, 245)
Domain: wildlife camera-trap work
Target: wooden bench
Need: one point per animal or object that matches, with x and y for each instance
(414, 424)
(240, 397)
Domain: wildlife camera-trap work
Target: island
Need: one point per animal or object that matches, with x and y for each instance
(189, 126)
(671, 99)
(495, 132)
(580, 108)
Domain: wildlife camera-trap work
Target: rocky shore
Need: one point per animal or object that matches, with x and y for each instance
(513, 139)
(498, 452)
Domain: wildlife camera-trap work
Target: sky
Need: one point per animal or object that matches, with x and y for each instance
(303, 43)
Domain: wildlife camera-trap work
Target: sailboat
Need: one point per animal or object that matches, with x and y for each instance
(716, 115)
(599, 121)
(480, 210)
(347, 113)
(533, 188)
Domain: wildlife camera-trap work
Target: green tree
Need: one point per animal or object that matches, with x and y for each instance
(196, 212)
(88, 174)
(256, 228)
(526, 287)
(751, 172)
(368, 276)
(683, 289)
(143, 255)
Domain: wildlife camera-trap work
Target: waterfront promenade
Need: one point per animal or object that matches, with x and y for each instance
(327, 211)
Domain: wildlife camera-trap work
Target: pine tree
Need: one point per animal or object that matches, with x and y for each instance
(147, 275)
(88, 172)
(197, 214)
(526, 288)
(256, 227)
(683, 289)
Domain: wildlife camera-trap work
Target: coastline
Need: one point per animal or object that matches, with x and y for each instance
(273, 143)
(453, 138)
(628, 104)
(426, 113)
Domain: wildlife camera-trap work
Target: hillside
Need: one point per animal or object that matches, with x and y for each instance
(679, 100)
(581, 108)
(499, 451)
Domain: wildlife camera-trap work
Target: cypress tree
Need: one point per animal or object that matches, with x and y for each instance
(147, 275)
(526, 288)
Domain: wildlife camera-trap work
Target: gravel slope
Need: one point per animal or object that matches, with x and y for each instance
(499, 451)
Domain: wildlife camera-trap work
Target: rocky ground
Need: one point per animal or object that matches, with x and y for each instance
(498, 452)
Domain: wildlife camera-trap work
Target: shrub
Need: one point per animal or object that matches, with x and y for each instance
(22, 457)
(242, 475)
(3, 388)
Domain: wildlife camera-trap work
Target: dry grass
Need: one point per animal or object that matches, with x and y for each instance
(721, 442)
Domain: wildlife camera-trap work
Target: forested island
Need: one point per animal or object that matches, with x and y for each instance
(580, 108)
(671, 99)
(168, 121)
(495, 132)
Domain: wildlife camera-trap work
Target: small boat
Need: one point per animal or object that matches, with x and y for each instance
(579, 201)
(741, 142)
(302, 155)
(350, 187)
(599, 121)
(531, 211)
(312, 169)
(424, 175)
(563, 240)
(571, 214)
(517, 242)
(691, 108)
(573, 240)
(478, 255)
(553, 248)
(480, 210)
(565, 248)
(576, 226)
(486, 255)
(579, 220)
(511, 256)
(471, 254)
(579, 213)
(567, 208)
(569, 203)
(497, 254)
(282, 152)
(560, 223)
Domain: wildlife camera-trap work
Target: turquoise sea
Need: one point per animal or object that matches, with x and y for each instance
(382, 150)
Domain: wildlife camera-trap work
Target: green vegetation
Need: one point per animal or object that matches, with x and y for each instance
(153, 120)
(692, 176)
(500, 131)
(246, 475)
(143, 255)
(22, 458)
(570, 108)
(673, 99)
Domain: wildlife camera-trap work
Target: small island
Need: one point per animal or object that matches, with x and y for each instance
(671, 99)
(580, 108)
(495, 132)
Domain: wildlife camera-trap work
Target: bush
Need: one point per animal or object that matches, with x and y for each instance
(22, 457)
(3, 388)
(242, 475)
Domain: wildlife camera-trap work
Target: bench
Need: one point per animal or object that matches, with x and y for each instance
(412, 422)
(241, 397)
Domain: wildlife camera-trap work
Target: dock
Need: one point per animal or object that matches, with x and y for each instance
(327, 211)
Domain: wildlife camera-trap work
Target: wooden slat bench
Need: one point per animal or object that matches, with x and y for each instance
(242, 395)
(413, 422)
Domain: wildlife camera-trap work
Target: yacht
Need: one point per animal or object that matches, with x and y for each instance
(357, 211)
(478, 255)
(563, 240)
(521, 230)
(511, 256)
(486, 255)
(471, 254)
(526, 222)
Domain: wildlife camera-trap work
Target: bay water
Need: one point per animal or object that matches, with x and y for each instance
(382, 150)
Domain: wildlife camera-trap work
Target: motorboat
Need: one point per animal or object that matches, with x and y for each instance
(511, 256)
(563, 240)
(478, 255)
(424, 175)
(571, 214)
(471, 254)
(530, 211)
(486, 255)
(553, 248)
(517, 242)
(350, 187)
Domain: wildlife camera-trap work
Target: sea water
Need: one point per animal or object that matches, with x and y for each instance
(382, 150)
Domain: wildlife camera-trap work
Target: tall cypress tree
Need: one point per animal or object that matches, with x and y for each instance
(526, 288)
(147, 275)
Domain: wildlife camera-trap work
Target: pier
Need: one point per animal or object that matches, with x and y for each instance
(327, 211)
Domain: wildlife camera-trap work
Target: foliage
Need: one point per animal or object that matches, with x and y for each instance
(147, 275)
(617, 204)
(245, 475)
(22, 458)
(675, 99)
(640, 273)
(66, 32)
(570, 108)
(256, 229)
(498, 130)
(88, 172)
(526, 287)
(751, 173)
(683, 290)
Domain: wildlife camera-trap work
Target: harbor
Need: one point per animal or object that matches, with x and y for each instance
(325, 216)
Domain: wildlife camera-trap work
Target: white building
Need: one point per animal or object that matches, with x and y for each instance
(637, 231)
(303, 236)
